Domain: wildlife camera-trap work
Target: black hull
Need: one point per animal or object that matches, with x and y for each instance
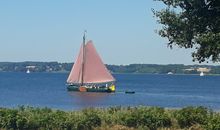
(100, 89)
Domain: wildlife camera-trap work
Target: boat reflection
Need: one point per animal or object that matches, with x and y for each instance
(89, 99)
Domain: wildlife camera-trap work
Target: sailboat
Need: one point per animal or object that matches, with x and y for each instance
(201, 74)
(28, 71)
(88, 73)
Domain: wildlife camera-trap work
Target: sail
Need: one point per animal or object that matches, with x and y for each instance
(93, 71)
(75, 75)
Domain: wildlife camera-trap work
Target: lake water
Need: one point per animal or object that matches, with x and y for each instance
(170, 91)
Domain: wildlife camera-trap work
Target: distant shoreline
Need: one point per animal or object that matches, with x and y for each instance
(67, 72)
(56, 67)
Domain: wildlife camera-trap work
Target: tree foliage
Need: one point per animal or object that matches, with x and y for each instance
(192, 24)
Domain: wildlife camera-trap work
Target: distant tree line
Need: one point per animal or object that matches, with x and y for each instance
(34, 66)
(163, 69)
(132, 68)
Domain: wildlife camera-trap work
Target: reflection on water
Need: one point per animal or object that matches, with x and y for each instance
(89, 99)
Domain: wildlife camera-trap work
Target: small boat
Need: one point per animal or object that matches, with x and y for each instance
(129, 92)
(28, 71)
(89, 74)
(201, 74)
(169, 73)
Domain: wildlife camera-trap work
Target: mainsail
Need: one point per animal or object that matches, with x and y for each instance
(89, 68)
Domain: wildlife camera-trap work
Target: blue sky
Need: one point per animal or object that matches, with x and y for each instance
(123, 31)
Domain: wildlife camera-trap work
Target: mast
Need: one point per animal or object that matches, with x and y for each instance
(83, 61)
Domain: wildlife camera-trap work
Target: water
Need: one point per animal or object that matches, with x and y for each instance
(171, 91)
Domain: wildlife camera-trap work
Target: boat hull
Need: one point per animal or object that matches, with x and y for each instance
(110, 89)
(129, 92)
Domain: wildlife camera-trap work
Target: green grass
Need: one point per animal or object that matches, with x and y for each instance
(113, 118)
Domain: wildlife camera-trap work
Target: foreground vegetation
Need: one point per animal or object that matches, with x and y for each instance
(115, 118)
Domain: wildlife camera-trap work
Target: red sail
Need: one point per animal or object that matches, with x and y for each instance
(94, 71)
(76, 72)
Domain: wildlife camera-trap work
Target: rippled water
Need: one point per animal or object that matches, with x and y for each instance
(49, 90)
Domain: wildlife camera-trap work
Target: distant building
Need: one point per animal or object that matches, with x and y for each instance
(206, 70)
(200, 69)
(49, 69)
(31, 67)
(190, 69)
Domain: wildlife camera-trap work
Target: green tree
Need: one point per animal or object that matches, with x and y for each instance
(192, 24)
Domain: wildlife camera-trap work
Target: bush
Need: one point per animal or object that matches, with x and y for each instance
(189, 116)
(131, 120)
(89, 119)
(9, 121)
(154, 118)
(21, 122)
(213, 122)
(151, 118)
(2, 116)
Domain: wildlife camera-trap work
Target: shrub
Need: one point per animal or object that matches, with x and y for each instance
(8, 119)
(2, 116)
(213, 122)
(188, 116)
(21, 122)
(151, 118)
(89, 120)
(131, 120)
(154, 118)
